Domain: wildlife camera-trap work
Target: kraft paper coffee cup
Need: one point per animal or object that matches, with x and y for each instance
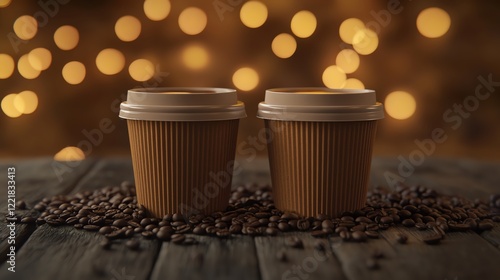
(183, 143)
(320, 145)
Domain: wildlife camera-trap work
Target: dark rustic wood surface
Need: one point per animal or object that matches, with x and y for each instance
(66, 253)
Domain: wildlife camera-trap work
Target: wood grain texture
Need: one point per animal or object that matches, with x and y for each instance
(306, 263)
(67, 253)
(469, 178)
(35, 179)
(462, 255)
(211, 258)
(42, 177)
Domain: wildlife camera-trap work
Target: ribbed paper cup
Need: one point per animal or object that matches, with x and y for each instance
(320, 147)
(183, 143)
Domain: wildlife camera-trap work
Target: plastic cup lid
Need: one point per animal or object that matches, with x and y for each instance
(182, 104)
(320, 104)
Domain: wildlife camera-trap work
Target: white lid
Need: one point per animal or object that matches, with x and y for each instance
(320, 104)
(182, 104)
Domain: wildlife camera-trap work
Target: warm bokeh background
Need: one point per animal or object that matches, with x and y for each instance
(50, 95)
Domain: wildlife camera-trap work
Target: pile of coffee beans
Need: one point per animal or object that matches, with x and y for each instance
(114, 213)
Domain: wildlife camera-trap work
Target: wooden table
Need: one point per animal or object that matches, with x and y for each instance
(46, 252)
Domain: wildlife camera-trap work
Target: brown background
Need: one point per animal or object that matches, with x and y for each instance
(438, 72)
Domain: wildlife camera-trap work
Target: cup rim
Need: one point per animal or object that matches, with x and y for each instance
(320, 104)
(182, 104)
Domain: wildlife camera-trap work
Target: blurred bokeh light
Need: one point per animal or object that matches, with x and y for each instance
(128, 28)
(66, 37)
(195, 57)
(246, 79)
(303, 24)
(192, 20)
(64, 72)
(284, 45)
(400, 105)
(110, 61)
(8, 66)
(334, 77)
(70, 153)
(433, 22)
(156, 9)
(141, 70)
(25, 69)
(253, 14)
(25, 27)
(74, 72)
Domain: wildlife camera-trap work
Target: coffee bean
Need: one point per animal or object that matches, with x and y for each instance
(372, 264)
(347, 219)
(358, 228)
(133, 224)
(224, 233)
(459, 227)
(294, 242)
(359, 236)
(271, 231)
(485, 226)
(145, 222)
(365, 220)
(345, 235)
(303, 224)
(340, 229)
(408, 223)
(319, 233)
(401, 238)
(105, 244)
(91, 227)
(377, 254)
(372, 234)
(177, 238)
(284, 226)
(150, 227)
(105, 230)
(281, 256)
(420, 226)
(114, 210)
(432, 239)
(189, 241)
(147, 234)
(120, 223)
(163, 235)
(133, 244)
(235, 229)
(386, 220)
(21, 205)
(28, 220)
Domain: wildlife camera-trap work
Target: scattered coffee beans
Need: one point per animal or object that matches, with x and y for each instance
(114, 213)
(401, 238)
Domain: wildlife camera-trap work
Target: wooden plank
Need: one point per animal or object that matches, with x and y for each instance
(354, 257)
(107, 172)
(43, 177)
(67, 253)
(35, 179)
(59, 253)
(251, 171)
(306, 263)
(468, 178)
(211, 258)
(462, 255)
(493, 236)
